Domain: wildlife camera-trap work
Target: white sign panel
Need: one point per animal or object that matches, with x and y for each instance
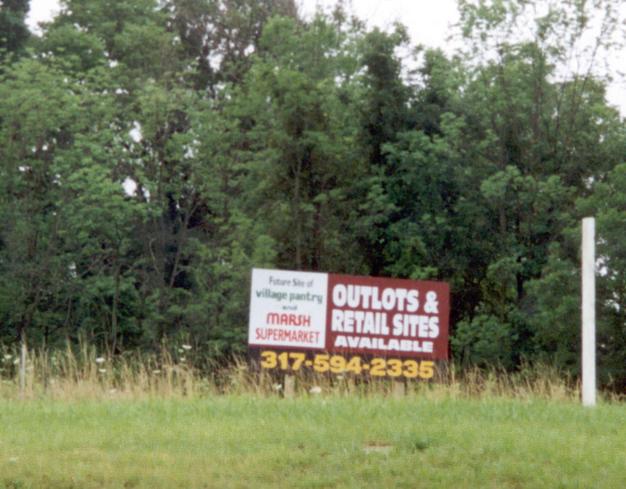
(288, 309)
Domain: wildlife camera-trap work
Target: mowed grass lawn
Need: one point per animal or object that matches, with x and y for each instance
(246, 441)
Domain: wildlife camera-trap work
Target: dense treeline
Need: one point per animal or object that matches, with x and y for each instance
(152, 152)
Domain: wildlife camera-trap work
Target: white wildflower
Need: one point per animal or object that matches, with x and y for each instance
(186, 347)
(99, 360)
(277, 387)
(156, 372)
(315, 390)
(102, 370)
(8, 357)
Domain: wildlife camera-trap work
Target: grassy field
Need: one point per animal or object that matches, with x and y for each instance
(311, 442)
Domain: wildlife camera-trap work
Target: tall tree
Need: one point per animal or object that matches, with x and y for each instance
(14, 32)
(40, 114)
(384, 115)
(297, 111)
(221, 36)
(556, 294)
(541, 128)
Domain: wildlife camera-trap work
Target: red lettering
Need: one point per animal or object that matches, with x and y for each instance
(276, 319)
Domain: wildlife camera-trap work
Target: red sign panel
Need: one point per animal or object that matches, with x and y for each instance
(387, 317)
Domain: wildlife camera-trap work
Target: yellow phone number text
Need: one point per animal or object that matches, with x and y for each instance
(337, 364)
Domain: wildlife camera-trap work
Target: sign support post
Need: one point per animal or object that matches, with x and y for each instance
(289, 384)
(588, 312)
(398, 389)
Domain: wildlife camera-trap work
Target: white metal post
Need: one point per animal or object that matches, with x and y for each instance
(589, 312)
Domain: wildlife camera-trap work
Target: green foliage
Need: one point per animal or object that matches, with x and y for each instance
(484, 341)
(220, 36)
(14, 32)
(555, 318)
(153, 152)
(608, 203)
(302, 159)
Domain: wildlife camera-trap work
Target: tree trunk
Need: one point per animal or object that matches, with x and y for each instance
(298, 217)
(22, 372)
(114, 308)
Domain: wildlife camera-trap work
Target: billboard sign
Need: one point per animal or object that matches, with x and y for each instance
(345, 323)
